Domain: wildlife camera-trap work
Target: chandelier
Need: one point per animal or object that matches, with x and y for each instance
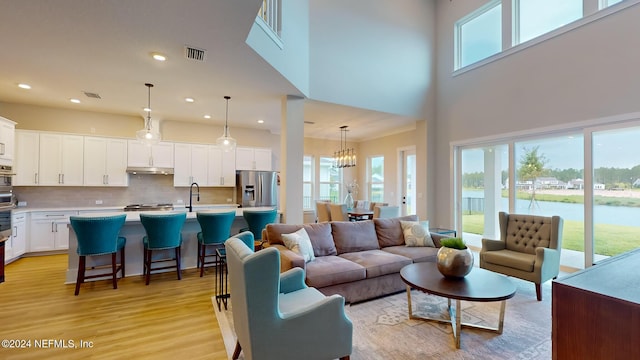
(226, 142)
(148, 135)
(344, 157)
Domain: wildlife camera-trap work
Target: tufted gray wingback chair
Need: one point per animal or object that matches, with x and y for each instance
(529, 248)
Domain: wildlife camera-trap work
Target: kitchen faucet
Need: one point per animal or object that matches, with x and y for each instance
(190, 207)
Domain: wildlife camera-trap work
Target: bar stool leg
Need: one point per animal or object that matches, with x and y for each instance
(147, 265)
(81, 268)
(178, 263)
(122, 261)
(114, 270)
(202, 252)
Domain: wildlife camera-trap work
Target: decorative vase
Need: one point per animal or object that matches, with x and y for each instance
(454, 263)
(348, 200)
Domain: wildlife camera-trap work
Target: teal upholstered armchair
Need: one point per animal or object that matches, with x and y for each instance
(276, 316)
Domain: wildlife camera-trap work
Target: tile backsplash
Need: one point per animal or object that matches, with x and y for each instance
(142, 189)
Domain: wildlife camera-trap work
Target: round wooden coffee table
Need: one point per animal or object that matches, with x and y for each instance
(479, 285)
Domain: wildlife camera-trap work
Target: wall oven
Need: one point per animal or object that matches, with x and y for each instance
(7, 201)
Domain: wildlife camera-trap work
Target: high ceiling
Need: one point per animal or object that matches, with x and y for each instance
(65, 48)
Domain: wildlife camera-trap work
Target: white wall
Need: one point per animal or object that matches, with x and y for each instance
(374, 55)
(584, 74)
(292, 61)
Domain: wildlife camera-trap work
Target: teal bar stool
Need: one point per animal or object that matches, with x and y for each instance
(216, 228)
(164, 232)
(99, 236)
(258, 220)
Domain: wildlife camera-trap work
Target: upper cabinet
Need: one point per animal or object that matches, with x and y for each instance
(253, 158)
(48, 159)
(61, 160)
(105, 162)
(142, 155)
(190, 164)
(7, 141)
(222, 167)
(27, 158)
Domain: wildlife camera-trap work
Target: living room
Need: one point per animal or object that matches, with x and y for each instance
(579, 78)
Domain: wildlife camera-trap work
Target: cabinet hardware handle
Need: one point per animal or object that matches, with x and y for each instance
(15, 231)
(107, 176)
(35, 178)
(2, 148)
(221, 180)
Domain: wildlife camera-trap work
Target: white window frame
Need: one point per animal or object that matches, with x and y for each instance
(337, 182)
(311, 182)
(457, 31)
(370, 181)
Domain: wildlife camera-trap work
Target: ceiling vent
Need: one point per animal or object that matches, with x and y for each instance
(194, 53)
(92, 95)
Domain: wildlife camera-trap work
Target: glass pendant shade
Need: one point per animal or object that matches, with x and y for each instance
(148, 135)
(344, 157)
(226, 142)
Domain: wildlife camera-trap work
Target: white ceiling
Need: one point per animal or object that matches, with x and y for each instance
(64, 48)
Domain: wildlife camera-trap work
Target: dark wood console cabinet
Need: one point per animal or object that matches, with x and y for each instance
(596, 311)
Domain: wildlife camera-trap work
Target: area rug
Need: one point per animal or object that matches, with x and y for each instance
(383, 330)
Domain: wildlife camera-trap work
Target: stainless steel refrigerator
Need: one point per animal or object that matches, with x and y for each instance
(257, 188)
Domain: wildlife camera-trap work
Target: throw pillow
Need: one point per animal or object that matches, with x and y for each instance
(299, 242)
(416, 233)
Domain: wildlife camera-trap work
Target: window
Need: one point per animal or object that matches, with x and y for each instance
(533, 18)
(330, 181)
(375, 169)
(479, 35)
(607, 3)
(307, 182)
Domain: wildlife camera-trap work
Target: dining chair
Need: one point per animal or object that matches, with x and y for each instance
(339, 212)
(164, 232)
(382, 212)
(372, 205)
(322, 211)
(216, 228)
(99, 236)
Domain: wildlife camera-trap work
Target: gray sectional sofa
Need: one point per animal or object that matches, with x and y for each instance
(359, 260)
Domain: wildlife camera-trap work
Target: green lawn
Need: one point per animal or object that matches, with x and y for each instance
(609, 239)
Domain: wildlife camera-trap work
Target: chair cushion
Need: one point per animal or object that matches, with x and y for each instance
(299, 242)
(389, 231)
(416, 233)
(378, 262)
(293, 301)
(350, 236)
(332, 270)
(417, 254)
(513, 259)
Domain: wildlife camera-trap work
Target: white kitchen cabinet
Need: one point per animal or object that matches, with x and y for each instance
(105, 162)
(190, 164)
(16, 246)
(61, 160)
(27, 158)
(45, 234)
(142, 155)
(253, 159)
(7, 141)
(222, 167)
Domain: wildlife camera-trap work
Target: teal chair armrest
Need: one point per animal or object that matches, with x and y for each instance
(547, 263)
(292, 280)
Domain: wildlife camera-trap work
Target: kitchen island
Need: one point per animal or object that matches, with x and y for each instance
(134, 232)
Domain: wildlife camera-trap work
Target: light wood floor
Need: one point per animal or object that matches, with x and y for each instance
(169, 319)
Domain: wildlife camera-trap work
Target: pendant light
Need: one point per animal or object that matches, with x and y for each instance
(148, 135)
(344, 157)
(226, 142)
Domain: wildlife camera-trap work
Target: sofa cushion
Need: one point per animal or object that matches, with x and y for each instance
(389, 231)
(377, 262)
(332, 270)
(319, 234)
(509, 258)
(300, 243)
(416, 233)
(417, 254)
(350, 236)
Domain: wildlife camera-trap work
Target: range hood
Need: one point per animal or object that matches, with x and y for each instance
(150, 170)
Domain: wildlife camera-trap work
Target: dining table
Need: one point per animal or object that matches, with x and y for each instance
(358, 214)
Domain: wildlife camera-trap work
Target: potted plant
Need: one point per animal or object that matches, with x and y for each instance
(454, 259)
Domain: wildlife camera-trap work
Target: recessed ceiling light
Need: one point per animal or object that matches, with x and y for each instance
(189, 100)
(24, 86)
(207, 116)
(75, 101)
(260, 121)
(158, 56)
